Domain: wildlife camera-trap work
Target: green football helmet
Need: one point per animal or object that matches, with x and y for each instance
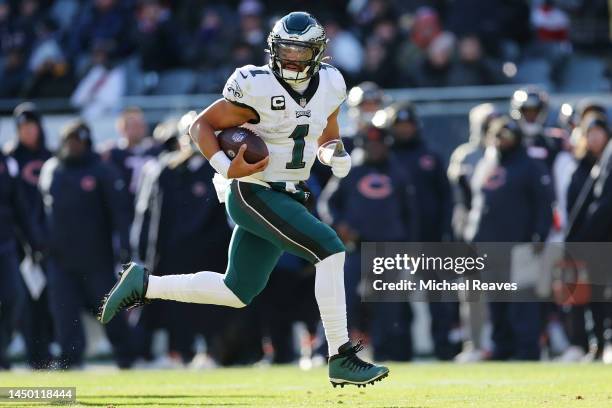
(296, 45)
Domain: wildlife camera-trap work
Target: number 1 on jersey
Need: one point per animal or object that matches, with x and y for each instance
(297, 155)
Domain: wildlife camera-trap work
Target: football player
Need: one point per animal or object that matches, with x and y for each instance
(293, 104)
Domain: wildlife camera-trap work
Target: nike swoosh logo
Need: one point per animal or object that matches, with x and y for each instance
(243, 76)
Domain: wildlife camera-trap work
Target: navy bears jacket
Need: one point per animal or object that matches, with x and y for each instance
(130, 161)
(13, 209)
(377, 201)
(432, 189)
(512, 198)
(85, 205)
(30, 160)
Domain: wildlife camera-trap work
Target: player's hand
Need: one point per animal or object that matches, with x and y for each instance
(341, 165)
(240, 168)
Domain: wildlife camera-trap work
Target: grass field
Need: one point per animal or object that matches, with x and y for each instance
(409, 385)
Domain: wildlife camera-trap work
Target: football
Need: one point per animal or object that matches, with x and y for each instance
(231, 139)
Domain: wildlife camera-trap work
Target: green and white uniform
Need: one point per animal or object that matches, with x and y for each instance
(289, 123)
(268, 207)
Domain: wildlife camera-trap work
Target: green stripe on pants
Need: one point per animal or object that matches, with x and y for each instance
(280, 220)
(277, 217)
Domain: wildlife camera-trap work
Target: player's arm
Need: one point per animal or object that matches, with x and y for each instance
(331, 150)
(332, 130)
(223, 114)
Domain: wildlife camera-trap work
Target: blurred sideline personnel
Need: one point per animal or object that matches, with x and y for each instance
(292, 104)
(180, 183)
(133, 149)
(463, 162)
(578, 116)
(529, 107)
(549, 145)
(380, 188)
(434, 211)
(507, 181)
(85, 204)
(589, 205)
(460, 172)
(15, 219)
(30, 152)
(364, 100)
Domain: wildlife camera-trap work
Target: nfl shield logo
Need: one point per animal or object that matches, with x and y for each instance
(303, 102)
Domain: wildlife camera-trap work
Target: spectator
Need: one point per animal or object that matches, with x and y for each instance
(551, 25)
(64, 12)
(367, 13)
(377, 65)
(344, 48)
(213, 79)
(47, 49)
(26, 22)
(503, 25)
(14, 72)
(514, 32)
(433, 70)
(85, 203)
(589, 28)
(49, 74)
(507, 181)
(471, 66)
(425, 28)
(378, 186)
(211, 39)
(251, 27)
(104, 21)
(100, 91)
(386, 31)
(157, 37)
(5, 27)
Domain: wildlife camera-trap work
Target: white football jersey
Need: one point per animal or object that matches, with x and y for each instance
(289, 123)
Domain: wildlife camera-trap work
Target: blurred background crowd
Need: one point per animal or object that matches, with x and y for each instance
(99, 50)
(518, 168)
